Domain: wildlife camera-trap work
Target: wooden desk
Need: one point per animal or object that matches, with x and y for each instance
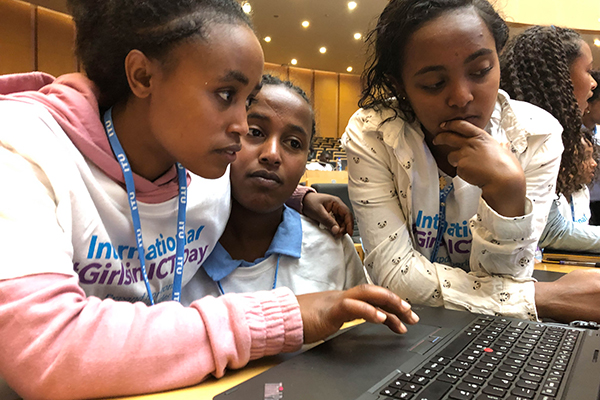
(311, 177)
(212, 386)
(565, 269)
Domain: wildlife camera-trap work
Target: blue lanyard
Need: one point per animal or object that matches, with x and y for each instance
(135, 216)
(274, 279)
(442, 223)
(572, 209)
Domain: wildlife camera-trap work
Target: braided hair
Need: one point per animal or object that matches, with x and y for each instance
(387, 42)
(107, 30)
(535, 67)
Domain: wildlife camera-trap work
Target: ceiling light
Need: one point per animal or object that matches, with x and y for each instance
(305, 24)
(246, 7)
(357, 36)
(597, 42)
(349, 69)
(323, 50)
(352, 5)
(294, 61)
(267, 39)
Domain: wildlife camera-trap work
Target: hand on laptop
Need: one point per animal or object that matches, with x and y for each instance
(330, 211)
(324, 313)
(575, 296)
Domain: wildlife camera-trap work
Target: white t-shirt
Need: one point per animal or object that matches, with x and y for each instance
(81, 218)
(311, 261)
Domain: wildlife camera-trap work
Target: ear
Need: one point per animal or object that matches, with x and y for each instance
(140, 70)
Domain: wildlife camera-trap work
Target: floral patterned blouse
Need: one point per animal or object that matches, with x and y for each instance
(485, 261)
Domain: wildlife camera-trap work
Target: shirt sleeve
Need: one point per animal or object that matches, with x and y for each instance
(355, 272)
(561, 233)
(59, 344)
(391, 259)
(507, 245)
(295, 201)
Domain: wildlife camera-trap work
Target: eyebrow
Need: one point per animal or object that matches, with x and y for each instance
(472, 57)
(292, 127)
(235, 76)
(477, 54)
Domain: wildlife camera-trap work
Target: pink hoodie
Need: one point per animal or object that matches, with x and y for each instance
(58, 343)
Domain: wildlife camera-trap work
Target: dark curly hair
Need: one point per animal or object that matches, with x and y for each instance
(387, 42)
(535, 67)
(268, 79)
(107, 30)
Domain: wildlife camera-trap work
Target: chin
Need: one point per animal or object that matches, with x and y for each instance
(209, 172)
(262, 202)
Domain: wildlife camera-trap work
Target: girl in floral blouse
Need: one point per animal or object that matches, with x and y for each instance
(452, 180)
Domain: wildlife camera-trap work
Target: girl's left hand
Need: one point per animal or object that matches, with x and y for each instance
(480, 160)
(329, 211)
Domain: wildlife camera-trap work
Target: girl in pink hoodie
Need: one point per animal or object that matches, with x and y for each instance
(116, 188)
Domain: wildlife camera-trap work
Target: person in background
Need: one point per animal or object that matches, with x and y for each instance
(550, 67)
(447, 172)
(116, 189)
(266, 244)
(577, 207)
(591, 120)
(323, 163)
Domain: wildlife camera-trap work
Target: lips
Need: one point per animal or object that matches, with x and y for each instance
(468, 118)
(231, 149)
(271, 176)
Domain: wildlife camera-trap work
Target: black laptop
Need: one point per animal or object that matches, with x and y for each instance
(447, 355)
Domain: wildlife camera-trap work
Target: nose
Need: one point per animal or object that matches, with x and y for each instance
(594, 83)
(459, 94)
(239, 122)
(270, 152)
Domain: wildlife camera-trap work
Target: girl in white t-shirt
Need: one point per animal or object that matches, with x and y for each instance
(116, 188)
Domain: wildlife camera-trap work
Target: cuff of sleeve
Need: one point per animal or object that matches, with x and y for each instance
(506, 228)
(523, 306)
(275, 323)
(297, 198)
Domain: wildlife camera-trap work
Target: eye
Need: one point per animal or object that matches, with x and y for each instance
(434, 87)
(226, 95)
(296, 144)
(255, 132)
(482, 72)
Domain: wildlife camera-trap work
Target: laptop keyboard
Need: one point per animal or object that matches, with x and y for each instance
(493, 359)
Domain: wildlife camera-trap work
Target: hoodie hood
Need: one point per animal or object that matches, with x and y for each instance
(72, 100)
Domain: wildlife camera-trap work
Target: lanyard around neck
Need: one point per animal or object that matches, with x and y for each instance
(442, 223)
(572, 209)
(274, 279)
(135, 216)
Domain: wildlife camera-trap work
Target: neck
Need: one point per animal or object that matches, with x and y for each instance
(146, 157)
(249, 234)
